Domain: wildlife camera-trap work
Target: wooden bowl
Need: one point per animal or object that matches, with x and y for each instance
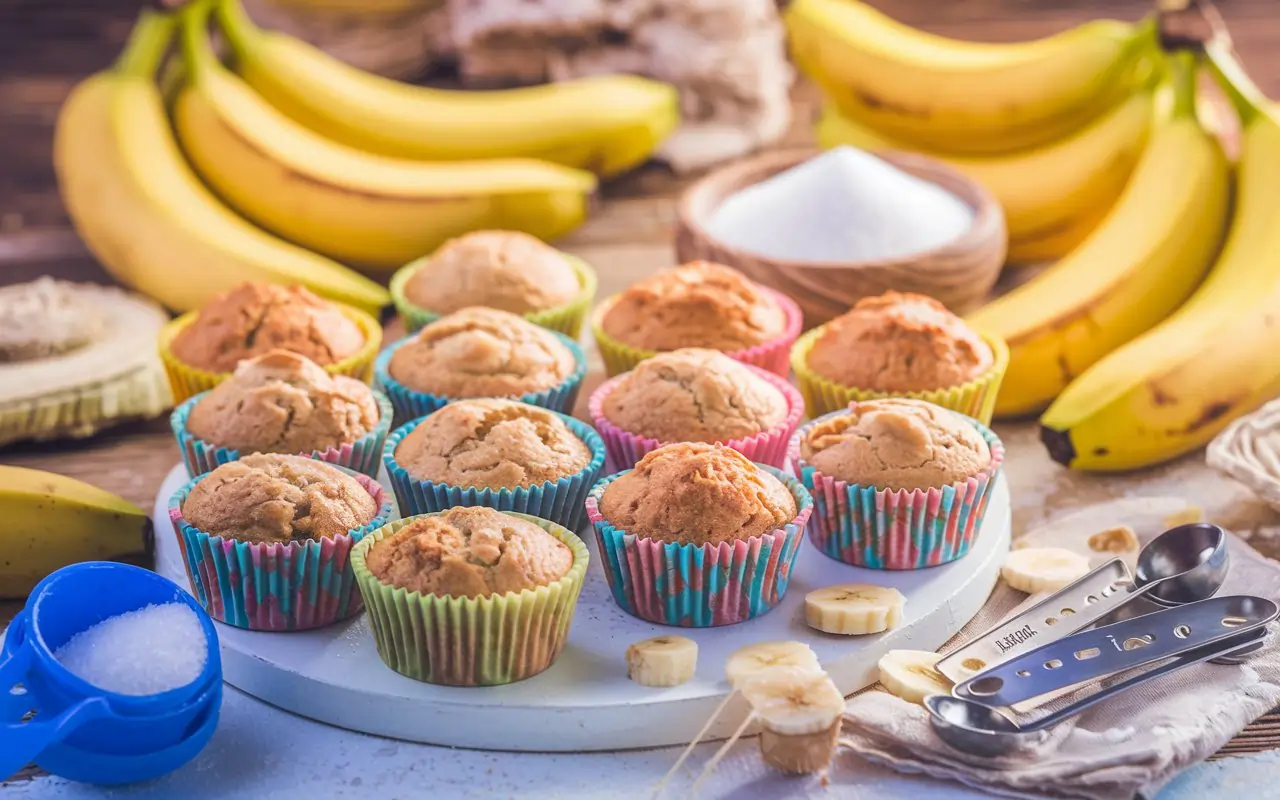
(959, 274)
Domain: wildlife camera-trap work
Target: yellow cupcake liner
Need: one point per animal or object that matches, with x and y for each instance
(976, 399)
(567, 318)
(188, 381)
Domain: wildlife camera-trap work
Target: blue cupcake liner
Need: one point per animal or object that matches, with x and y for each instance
(561, 501)
(362, 455)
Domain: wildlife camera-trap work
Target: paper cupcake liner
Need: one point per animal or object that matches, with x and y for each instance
(274, 586)
(976, 399)
(559, 501)
(187, 381)
(409, 404)
(699, 586)
(463, 641)
(567, 318)
(626, 449)
(896, 529)
(771, 356)
(363, 455)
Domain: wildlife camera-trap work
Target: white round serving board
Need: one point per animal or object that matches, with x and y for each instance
(585, 702)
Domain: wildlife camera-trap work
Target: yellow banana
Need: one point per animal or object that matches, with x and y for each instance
(606, 124)
(965, 97)
(145, 214)
(1142, 262)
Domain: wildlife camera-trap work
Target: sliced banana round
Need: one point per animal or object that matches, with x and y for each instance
(756, 660)
(853, 609)
(910, 674)
(799, 714)
(1042, 569)
(662, 661)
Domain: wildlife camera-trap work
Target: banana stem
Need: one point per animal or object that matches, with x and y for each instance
(148, 44)
(234, 23)
(1248, 100)
(1182, 70)
(194, 37)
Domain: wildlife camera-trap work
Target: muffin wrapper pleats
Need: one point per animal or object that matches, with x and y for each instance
(767, 447)
(771, 356)
(363, 455)
(463, 641)
(976, 399)
(187, 381)
(274, 586)
(410, 405)
(699, 586)
(561, 501)
(567, 318)
(896, 529)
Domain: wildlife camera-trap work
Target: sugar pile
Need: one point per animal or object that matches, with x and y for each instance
(151, 650)
(844, 205)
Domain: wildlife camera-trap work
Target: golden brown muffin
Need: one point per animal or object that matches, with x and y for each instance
(282, 402)
(896, 443)
(492, 444)
(506, 270)
(698, 304)
(899, 343)
(482, 352)
(278, 498)
(469, 552)
(253, 318)
(694, 395)
(697, 493)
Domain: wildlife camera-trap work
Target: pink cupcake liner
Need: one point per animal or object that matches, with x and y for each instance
(775, 354)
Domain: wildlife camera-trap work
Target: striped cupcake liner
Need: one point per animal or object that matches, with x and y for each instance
(896, 529)
(771, 356)
(187, 381)
(363, 455)
(699, 586)
(409, 404)
(465, 641)
(567, 318)
(277, 586)
(560, 501)
(626, 449)
(976, 399)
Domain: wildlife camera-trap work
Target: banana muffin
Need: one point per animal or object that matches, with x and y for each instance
(895, 443)
(507, 270)
(278, 498)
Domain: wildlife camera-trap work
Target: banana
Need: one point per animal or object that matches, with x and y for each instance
(1173, 389)
(662, 661)
(1042, 569)
(1119, 539)
(799, 714)
(853, 609)
(51, 521)
(1141, 263)
(910, 674)
(965, 97)
(755, 660)
(606, 124)
(145, 214)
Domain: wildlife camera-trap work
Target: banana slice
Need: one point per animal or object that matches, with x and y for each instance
(662, 661)
(799, 714)
(910, 674)
(1187, 516)
(1042, 569)
(1120, 539)
(853, 609)
(756, 660)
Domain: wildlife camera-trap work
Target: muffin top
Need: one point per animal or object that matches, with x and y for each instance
(492, 444)
(469, 552)
(281, 402)
(899, 343)
(482, 352)
(896, 443)
(697, 493)
(278, 498)
(694, 395)
(698, 304)
(506, 270)
(254, 318)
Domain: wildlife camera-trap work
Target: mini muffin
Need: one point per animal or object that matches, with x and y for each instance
(282, 402)
(698, 304)
(697, 535)
(695, 395)
(266, 539)
(898, 483)
(470, 596)
(899, 344)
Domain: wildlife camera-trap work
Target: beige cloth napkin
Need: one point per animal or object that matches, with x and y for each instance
(1130, 745)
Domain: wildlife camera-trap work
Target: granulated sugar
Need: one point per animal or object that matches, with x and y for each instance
(148, 651)
(844, 205)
